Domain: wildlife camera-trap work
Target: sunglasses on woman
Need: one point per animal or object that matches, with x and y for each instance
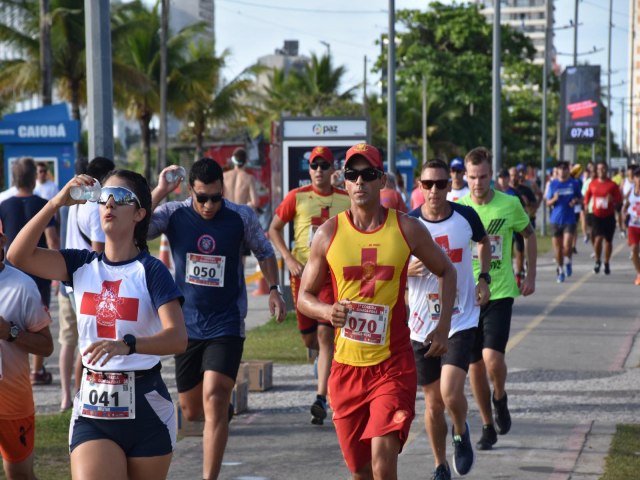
(121, 196)
(368, 174)
(321, 165)
(440, 184)
(202, 198)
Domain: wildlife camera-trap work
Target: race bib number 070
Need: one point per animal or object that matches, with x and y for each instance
(366, 323)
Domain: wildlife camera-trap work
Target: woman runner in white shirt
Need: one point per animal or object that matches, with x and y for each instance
(129, 314)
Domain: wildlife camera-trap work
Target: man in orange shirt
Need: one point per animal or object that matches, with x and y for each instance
(390, 197)
(308, 207)
(373, 382)
(24, 329)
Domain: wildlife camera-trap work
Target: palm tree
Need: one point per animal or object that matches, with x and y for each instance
(136, 47)
(20, 29)
(209, 103)
(313, 91)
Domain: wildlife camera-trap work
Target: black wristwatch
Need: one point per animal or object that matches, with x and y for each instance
(130, 341)
(275, 287)
(14, 331)
(486, 277)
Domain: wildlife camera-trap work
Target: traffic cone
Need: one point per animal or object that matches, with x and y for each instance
(165, 253)
(261, 284)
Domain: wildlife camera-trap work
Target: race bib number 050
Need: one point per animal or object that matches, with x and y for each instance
(205, 270)
(366, 323)
(108, 395)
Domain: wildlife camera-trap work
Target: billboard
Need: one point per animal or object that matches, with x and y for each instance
(580, 104)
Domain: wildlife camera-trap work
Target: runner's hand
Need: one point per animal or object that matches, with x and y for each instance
(482, 293)
(439, 343)
(528, 286)
(105, 350)
(277, 306)
(294, 266)
(339, 312)
(63, 197)
(416, 268)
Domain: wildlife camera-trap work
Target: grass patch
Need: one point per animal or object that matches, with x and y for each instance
(278, 342)
(52, 447)
(544, 244)
(623, 461)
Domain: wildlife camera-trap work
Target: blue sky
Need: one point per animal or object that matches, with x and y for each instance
(253, 28)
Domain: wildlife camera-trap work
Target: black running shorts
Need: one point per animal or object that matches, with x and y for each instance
(222, 354)
(494, 327)
(458, 355)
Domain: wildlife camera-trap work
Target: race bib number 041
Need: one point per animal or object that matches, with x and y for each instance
(108, 395)
(205, 270)
(366, 323)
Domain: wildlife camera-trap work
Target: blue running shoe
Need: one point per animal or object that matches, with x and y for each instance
(463, 456)
(442, 472)
(569, 269)
(560, 278)
(318, 411)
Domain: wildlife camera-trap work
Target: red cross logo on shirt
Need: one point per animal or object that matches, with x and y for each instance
(454, 255)
(324, 216)
(108, 307)
(368, 272)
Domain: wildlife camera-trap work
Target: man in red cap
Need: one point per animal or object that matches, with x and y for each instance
(309, 207)
(365, 252)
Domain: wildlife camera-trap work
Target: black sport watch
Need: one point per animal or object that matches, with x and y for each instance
(130, 341)
(14, 331)
(486, 277)
(276, 288)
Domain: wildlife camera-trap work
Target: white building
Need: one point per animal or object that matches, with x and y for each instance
(527, 16)
(633, 79)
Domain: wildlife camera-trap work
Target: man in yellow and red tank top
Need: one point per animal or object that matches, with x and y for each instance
(308, 207)
(372, 386)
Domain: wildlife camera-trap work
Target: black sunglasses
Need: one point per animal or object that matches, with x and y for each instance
(121, 196)
(440, 184)
(322, 165)
(368, 174)
(202, 198)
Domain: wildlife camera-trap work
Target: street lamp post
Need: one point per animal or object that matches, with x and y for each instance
(391, 90)
(497, 146)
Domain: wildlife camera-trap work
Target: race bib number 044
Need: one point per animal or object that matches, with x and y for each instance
(108, 395)
(205, 270)
(366, 323)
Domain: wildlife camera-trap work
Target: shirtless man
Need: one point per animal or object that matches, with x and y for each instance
(239, 184)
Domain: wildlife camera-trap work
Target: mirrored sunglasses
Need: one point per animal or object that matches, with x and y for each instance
(440, 184)
(368, 174)
(322, 165)
(202, 198)
(121, 196)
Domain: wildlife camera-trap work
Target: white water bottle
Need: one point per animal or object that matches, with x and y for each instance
(90, 193)
(172, 175)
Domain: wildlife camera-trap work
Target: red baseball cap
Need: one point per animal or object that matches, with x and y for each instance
(324, 153)
(370, 153)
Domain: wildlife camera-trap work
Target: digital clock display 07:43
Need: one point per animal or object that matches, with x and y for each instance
(582, 133)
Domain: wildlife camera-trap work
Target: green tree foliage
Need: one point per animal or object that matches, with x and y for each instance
(312, 90)
(452, 46)
(20, 29)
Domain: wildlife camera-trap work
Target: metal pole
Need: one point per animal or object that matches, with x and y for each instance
(609, 87)
(391, 90)
(162, 134)
(545, 74)
(424, 120)
(495, 124)
(574, 148)
(364, 89)
(622, 139)
(632, 65)
(99, 78)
